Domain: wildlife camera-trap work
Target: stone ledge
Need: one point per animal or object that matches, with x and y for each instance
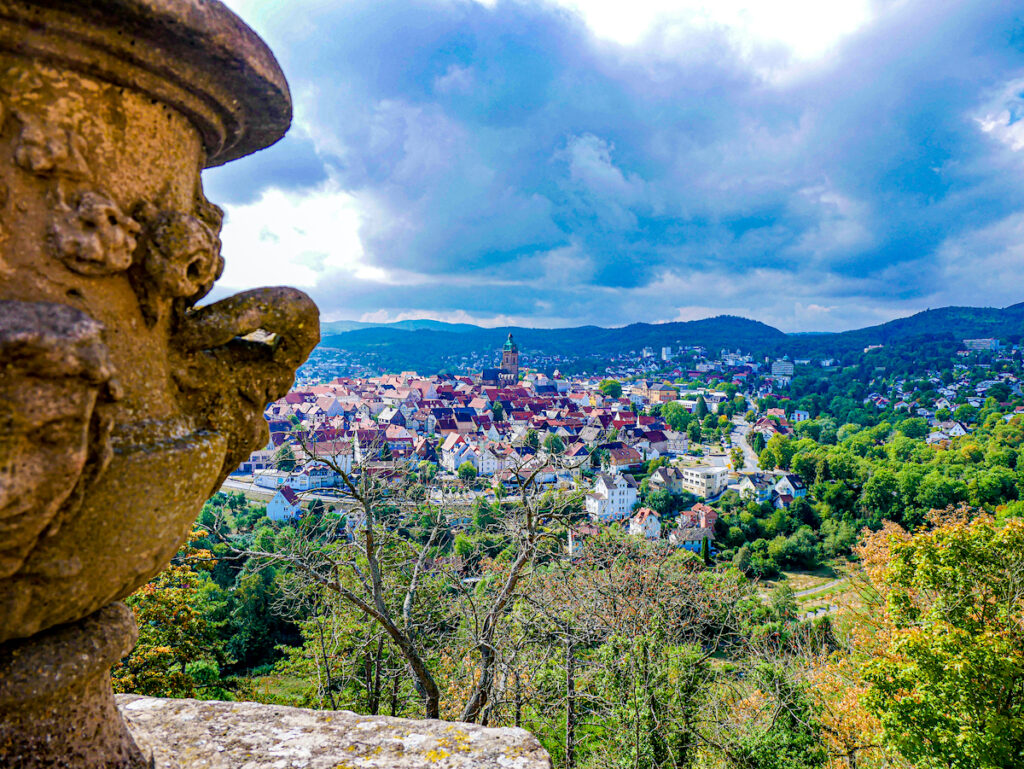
(193, 734)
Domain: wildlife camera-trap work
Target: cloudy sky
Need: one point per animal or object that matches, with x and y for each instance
(814, 165)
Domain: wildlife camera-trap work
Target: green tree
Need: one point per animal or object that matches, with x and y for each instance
(757, 442)
(553, 444)
(532, 439)
(702, 407)
(179, 652)
(497, 411)
(659, 501)
(693, 431)
(915, 427)
(483, 514)
(611, 388)
(965, 413)
(284, 458)
(675, 415)
(466, 471)
(738, 458)
(947, 690)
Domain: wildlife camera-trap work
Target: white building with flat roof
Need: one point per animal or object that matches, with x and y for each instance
(704, 480)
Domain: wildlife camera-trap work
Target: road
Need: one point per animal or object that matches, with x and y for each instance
(739, 438)
(466, 497)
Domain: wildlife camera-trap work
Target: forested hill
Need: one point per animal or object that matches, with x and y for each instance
(424, 348)
(425, 345)
(945, 322)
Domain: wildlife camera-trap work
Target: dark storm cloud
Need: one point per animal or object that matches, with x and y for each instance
(520, 166)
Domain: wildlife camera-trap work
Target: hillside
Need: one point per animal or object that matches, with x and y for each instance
(427, 344)
(945, 322)
(331, 327)
(427, 348)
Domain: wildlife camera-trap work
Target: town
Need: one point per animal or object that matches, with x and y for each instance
(650, 455)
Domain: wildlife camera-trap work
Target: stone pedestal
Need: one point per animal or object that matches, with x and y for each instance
(55, 695)
(123, 402)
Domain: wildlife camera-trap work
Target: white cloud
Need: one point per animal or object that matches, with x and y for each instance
(808, 28)
(292, 238)
(461, 316)
(982, 267)
(1003, 116)
(841, 224)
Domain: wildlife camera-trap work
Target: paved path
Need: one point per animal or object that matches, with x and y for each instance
(818, 589)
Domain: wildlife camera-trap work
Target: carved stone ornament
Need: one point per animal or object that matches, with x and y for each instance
(123, 404)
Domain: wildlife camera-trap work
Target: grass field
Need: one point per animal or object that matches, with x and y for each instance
(824, 587)
(281, 689)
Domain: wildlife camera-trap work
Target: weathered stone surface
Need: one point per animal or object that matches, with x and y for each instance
(123, 404)
(190, 734)
(62, 716)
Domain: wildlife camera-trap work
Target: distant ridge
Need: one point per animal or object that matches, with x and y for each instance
(330, 327)
(427, 343)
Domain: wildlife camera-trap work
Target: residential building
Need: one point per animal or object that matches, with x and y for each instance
(981, 344)
(667, 479)
(705, 481)
(700, 516)
(782, 368)
(791, 485)
(756, 487)
(612, 498)
(692, 539)
(284, 505)
(645, 523)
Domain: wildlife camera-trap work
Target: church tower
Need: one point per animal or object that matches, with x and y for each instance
(510, 362)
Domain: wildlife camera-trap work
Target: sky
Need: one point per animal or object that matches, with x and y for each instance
(816, 166)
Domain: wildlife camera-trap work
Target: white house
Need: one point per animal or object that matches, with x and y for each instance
(790, 485)
(488, 461)
(271, 479)
(645, 523)
(756, 487)
(284, 506)
(454, 451)
(261, 459)
(313, 475)
(612, 498)
(704, 480)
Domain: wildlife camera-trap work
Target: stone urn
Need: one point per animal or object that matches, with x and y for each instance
(123, 404)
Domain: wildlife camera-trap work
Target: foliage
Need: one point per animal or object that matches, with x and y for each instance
(947, 686)
(284, 458)
(179, 652)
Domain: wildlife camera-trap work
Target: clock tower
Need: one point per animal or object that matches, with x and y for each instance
(509, 362)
